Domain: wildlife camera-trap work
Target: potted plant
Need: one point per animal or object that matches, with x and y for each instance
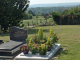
(39, 38)
(42, 49)
(53, 37)
(25, 49)
(48, 43)
(33, 49)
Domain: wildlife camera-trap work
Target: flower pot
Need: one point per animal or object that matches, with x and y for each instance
(25, 52)
(33, 51)
(49, 48)
(37, 51)
(42, 53)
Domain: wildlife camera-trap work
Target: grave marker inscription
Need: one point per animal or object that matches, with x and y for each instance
(18, 34)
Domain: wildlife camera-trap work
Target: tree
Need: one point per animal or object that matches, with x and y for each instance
(36, 15)
(56, 17)
(31, 12)
(27, 16)
(12, 12)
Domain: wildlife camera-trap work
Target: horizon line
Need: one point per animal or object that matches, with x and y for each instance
(55, 3)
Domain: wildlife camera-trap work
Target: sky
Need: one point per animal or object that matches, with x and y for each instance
(51, 1)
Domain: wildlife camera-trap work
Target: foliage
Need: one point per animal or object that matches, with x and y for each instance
(33, 47)
(51, 33)
(45, 38)
(29, 45)
(41, 10)
(67, 17)
(36, 15)
(56, 17)
(40, 33)
(48, 42)
(27, 16)
(43, 48)
(54, 38)
(12, 12)
(31, 12)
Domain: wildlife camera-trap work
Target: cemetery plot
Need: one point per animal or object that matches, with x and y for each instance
(36, 56)
(12, 48)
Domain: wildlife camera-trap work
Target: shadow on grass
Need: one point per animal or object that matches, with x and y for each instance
(4, 34)
(60, 51)
(30, 31)
(34, 31)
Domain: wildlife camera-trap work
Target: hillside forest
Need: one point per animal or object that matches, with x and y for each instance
(61, 15)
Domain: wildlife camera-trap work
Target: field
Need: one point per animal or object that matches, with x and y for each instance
(36, 21)
(69, 39)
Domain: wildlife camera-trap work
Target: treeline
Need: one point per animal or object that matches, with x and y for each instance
(44, 10)
(68, 16)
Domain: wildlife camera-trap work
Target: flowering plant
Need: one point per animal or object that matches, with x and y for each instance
(24, 48)
(54, 37)
(42, 49)
(38, 38)
(40, 43)
(48, 42)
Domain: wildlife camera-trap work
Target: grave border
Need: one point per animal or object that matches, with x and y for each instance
(52, 53)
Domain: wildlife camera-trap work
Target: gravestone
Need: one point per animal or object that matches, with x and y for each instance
(0, 28)
(1, 41)
(18, 34)
(12, 48)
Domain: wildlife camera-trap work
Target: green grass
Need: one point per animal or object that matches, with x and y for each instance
(69, 39)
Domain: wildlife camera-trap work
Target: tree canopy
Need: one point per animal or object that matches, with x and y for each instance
(12, 12)
(68, 16)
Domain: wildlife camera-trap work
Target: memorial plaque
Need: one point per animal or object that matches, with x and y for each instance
(18, 34)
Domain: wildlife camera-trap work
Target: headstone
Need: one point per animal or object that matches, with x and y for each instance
(0, 28)
(10, 49)
(18, 34)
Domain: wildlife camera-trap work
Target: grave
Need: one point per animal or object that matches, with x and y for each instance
(11, 48)
(36, 56)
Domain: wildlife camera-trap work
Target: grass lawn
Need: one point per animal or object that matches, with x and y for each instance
(36, 21)
(69, 39)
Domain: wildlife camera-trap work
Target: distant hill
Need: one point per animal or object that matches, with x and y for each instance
(44, 10)
(54, 5)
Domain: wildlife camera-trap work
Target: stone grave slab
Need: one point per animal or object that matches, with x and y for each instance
(12, 48)
(36, 56)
